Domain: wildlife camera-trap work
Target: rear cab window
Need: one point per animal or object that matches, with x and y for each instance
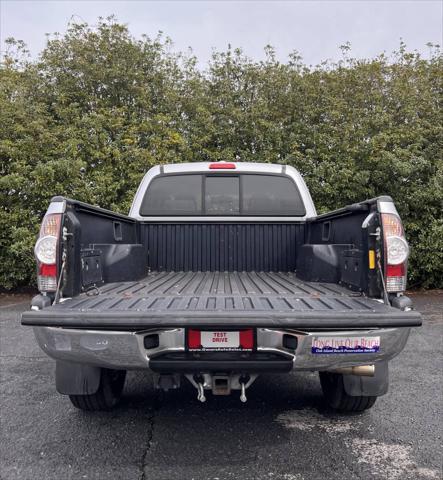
(242, 194)
(271, 195)
(222, 195)
(173, 195)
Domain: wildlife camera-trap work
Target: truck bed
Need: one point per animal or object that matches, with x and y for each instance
(272, 299)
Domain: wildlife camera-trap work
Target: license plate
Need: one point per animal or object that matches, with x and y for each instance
(220, 339)
(331, 345)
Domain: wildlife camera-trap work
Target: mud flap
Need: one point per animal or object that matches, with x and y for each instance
(76, 379)
(376, 386)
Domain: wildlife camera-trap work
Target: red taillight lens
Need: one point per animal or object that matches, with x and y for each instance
(47, 278)
(395, 270)
(395, 278)
(222, 166)
(48, 270)
(46, 252)
(396, 253)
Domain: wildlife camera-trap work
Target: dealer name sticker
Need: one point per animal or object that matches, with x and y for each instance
(328, 345)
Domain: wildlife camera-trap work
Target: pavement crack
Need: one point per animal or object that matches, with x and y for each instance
(151, 420)
(148, 447)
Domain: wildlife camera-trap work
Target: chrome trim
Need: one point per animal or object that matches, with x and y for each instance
(387, 207)
(56, 207)
(203, 167)
(108, 349)
(169, 341)
(100, 348)
(272, 340)
(125, 350)
(392, 342)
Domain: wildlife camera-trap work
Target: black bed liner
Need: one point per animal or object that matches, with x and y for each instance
(273, 299)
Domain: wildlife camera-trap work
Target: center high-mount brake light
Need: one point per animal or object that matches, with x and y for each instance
(46, 252)
(222, 166)
(396, 253)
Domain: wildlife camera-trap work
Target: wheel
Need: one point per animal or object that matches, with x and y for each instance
(108, 394)
(337, 398)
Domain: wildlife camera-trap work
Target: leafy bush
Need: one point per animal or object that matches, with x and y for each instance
(98, 108)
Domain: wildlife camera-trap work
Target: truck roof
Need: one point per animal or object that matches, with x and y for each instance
(239, 166)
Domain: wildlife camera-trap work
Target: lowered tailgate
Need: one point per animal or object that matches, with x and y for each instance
(261, 299)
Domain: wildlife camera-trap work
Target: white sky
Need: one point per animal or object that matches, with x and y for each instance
(314, 28)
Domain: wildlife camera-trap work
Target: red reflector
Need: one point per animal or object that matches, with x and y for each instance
(395, 270)
(222, 166)
(194, 339)
(247, 339)
(48, 270)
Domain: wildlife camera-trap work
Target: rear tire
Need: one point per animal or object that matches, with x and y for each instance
(108, 394)
(337, 398)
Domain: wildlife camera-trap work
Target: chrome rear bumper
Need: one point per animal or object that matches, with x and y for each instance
(126, 350)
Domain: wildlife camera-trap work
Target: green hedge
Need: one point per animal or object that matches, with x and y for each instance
(98, 108)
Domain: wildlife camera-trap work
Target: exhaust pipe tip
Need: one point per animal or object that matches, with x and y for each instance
(361, 370)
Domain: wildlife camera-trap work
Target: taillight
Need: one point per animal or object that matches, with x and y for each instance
(396, 253)
(46, 252)
(46, 249)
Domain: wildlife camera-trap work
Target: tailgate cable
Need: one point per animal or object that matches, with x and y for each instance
(385, 292)
(377, 235)
(65, 236)
(57, 292)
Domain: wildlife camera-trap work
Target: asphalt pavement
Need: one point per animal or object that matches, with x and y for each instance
(283, 432)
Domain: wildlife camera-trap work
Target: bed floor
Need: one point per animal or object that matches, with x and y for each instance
(220, 291)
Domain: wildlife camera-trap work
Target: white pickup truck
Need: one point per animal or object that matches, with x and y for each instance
(222, 271)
